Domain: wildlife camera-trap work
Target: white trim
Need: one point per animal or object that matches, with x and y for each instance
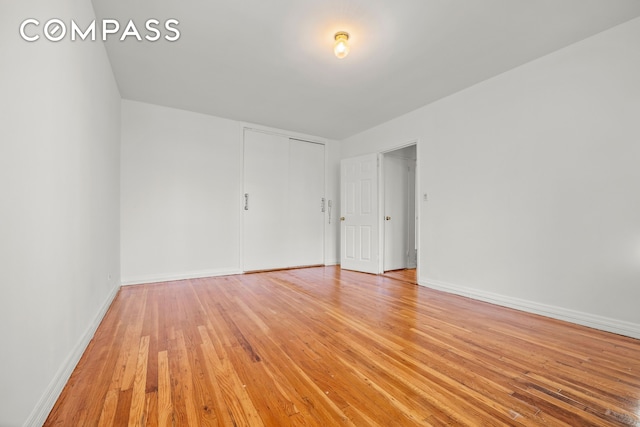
(326, 227)
(607, 324)
(240, 260)
(241, 205)
(52, 392)
(381, 242)
(154, 278)
(419, 203)
(283, 132)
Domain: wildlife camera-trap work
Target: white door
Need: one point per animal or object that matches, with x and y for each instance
(266, 201)
(396, 213)
(359, 214)
(306, 203)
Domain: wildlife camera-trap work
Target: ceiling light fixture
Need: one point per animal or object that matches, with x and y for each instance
(341, 47)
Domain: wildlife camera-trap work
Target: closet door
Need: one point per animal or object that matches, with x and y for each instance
(283, 202)
(266, 201)
(306, 203)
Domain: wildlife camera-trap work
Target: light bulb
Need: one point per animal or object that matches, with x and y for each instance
(341, 47)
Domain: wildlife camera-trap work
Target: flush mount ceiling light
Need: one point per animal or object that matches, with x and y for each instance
(341, 47)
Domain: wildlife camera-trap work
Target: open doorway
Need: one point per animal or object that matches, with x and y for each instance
(399, 217)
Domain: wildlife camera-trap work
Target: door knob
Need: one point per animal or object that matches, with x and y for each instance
(342, 218)
(388, 218)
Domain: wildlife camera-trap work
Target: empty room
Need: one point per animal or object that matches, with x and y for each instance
(319, 213)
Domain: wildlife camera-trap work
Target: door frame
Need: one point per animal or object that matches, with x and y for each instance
(381, 204)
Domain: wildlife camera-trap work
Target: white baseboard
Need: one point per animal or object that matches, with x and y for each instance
(608, 324)
(157, 278)
(45, 404)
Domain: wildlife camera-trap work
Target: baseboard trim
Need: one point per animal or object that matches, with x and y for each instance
(602, 323)
(50, 396)
(158, 278)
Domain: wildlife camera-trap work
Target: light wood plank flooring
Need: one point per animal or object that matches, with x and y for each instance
(406, 275)
(324, 347)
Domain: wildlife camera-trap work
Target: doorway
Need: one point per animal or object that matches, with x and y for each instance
(378, 226)
(399, 217)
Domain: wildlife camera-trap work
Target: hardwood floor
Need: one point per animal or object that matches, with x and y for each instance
(324, 347)
(406, 275)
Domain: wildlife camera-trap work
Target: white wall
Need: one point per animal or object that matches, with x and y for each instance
(533, 180)
(59, 211)
(181, 194)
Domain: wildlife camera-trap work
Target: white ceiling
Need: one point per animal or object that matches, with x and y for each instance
(271, 62)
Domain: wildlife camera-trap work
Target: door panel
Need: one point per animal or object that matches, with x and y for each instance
(351, 197)
(266, 185)
(365, 242)
(350, 242)
(306, 212)
(359, 204)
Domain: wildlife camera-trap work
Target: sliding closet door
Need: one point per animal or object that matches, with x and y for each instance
(283, 196)
(306, 203)
(266, 198)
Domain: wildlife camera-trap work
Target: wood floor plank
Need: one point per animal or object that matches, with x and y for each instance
(165, 408)
(186, 374)
(130, 346)
(123, 408)
(323, 346)
(212, 361)
(151, 408)
(137, 414)
(109, 407)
